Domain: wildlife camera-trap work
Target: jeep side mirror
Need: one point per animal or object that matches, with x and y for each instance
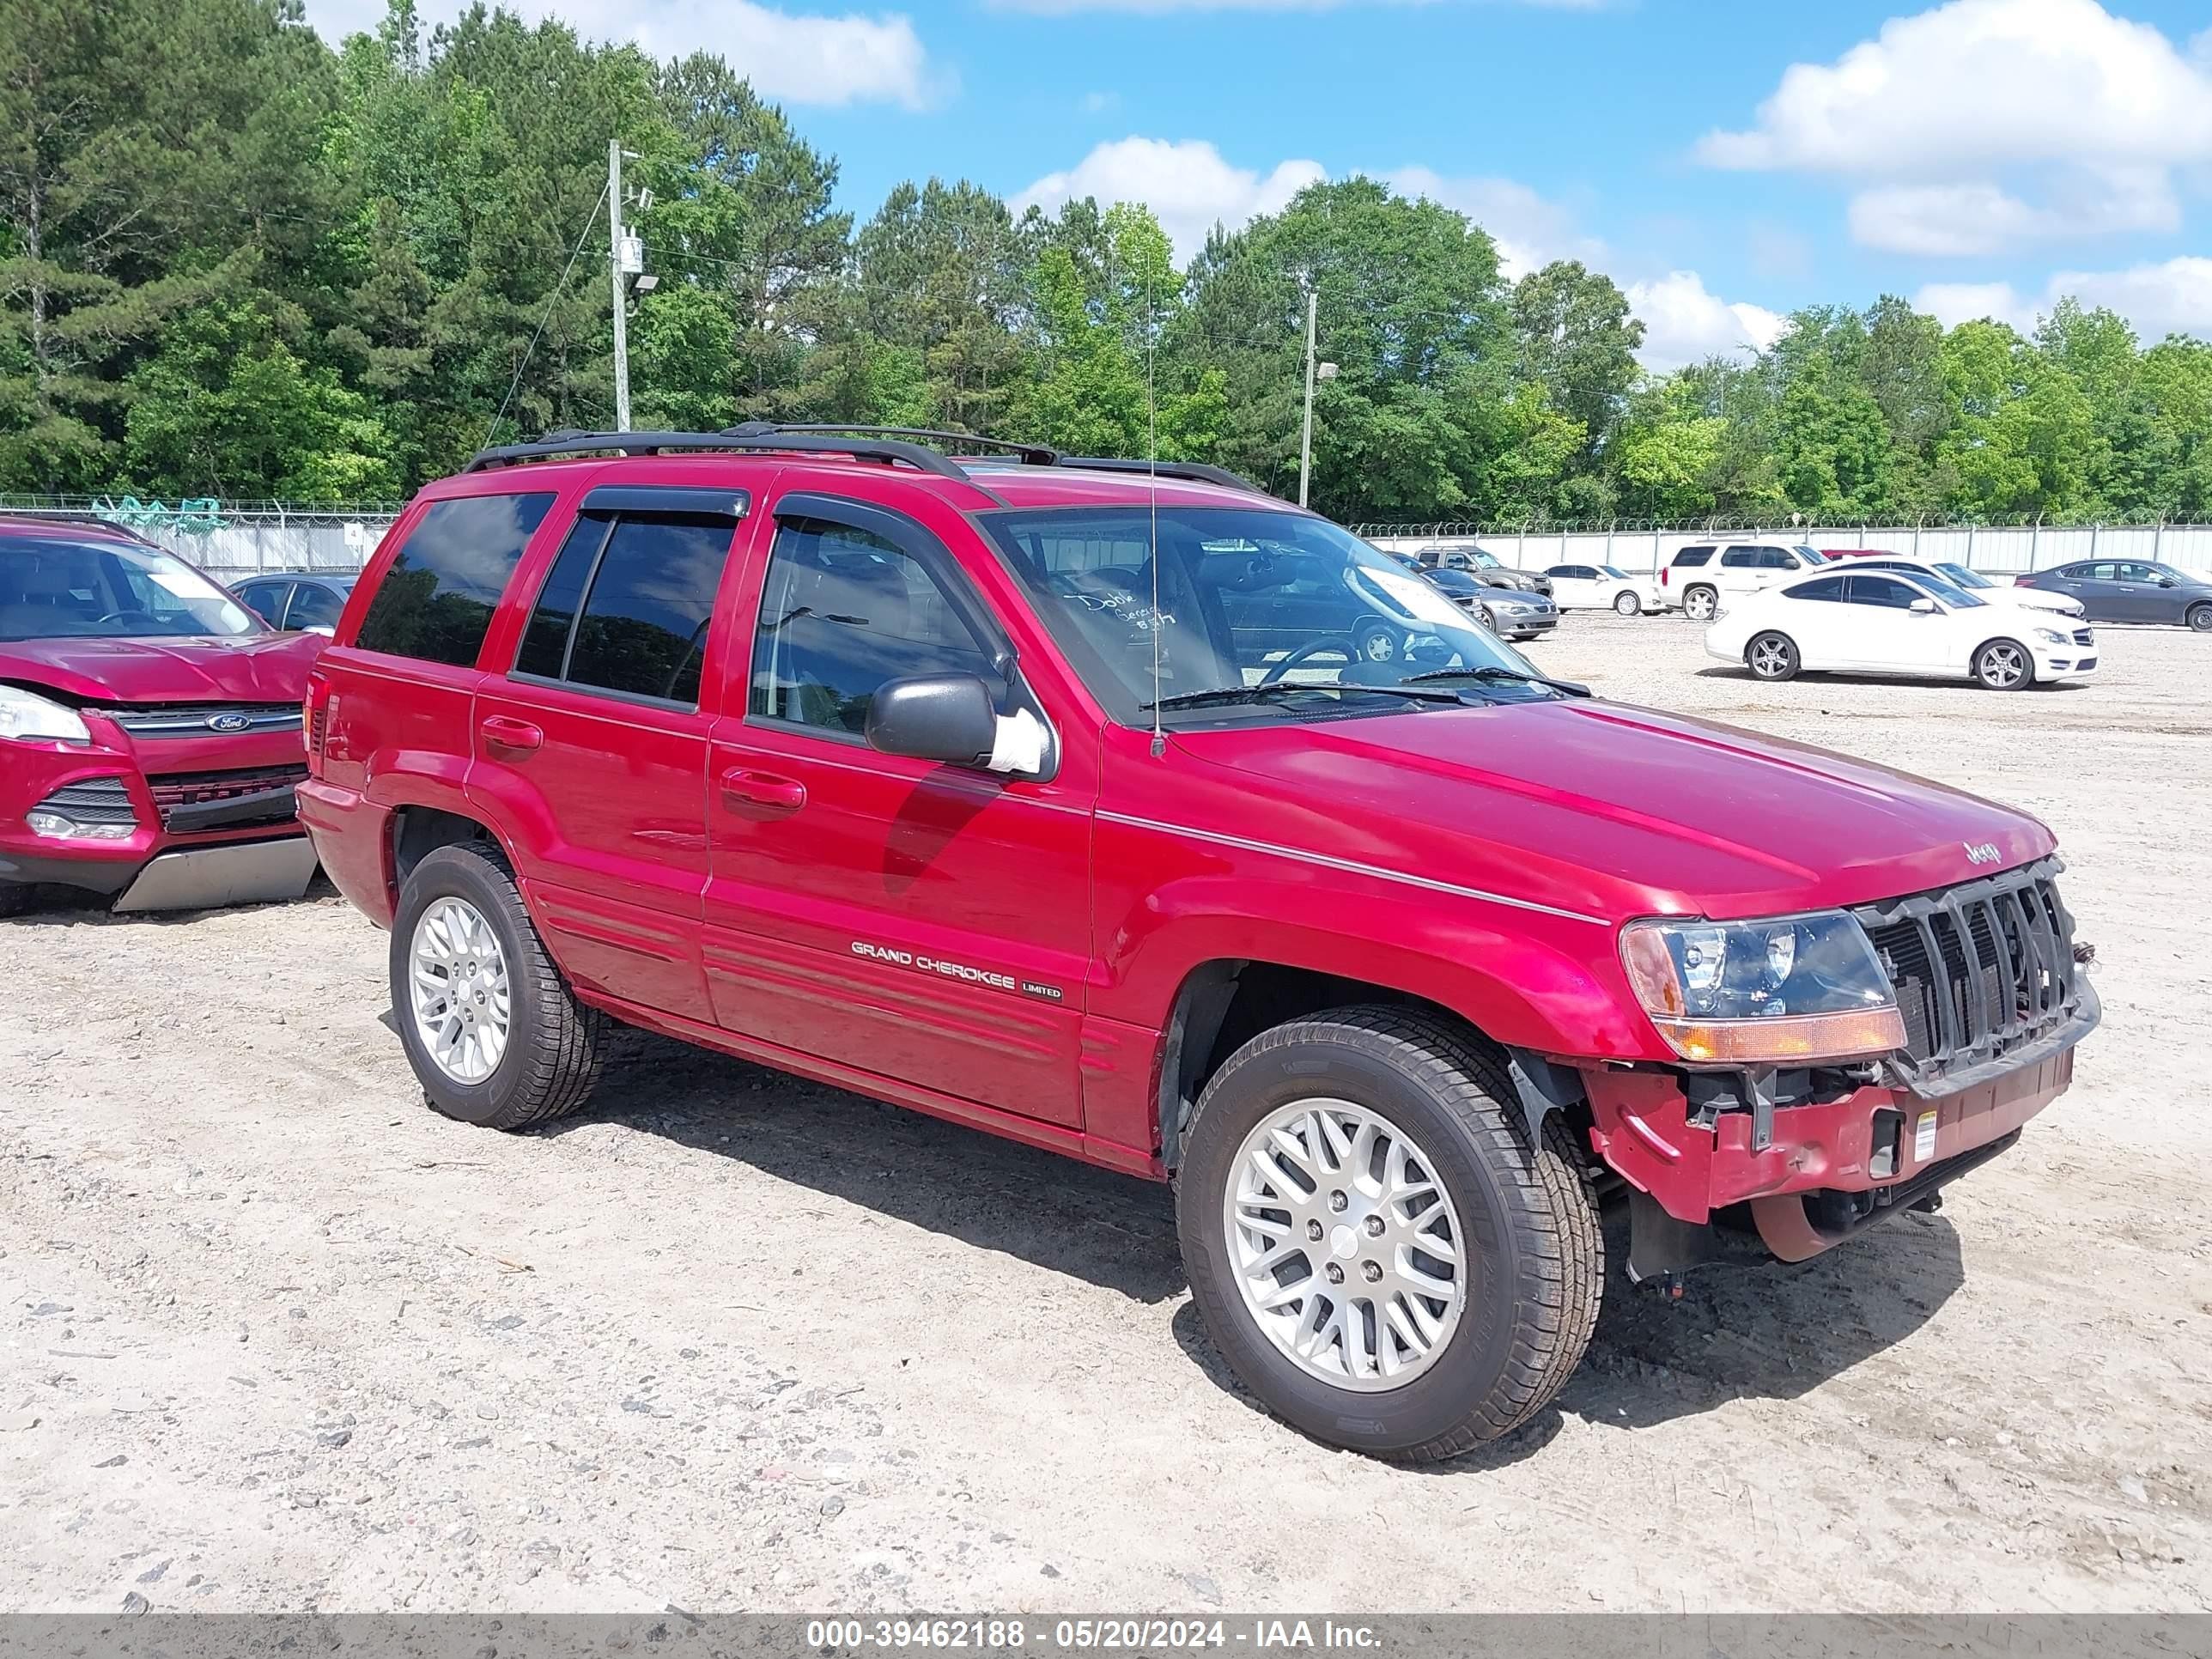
(935, 717)
(1923, 607)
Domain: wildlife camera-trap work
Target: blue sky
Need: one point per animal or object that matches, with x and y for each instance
(1725, 160)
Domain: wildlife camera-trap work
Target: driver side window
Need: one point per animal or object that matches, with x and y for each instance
(842, 611)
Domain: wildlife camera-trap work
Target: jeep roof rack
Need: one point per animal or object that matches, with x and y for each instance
(911, 445)
(759, 438)
(1187, 471)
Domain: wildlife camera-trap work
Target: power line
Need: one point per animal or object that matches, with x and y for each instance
(543, 317)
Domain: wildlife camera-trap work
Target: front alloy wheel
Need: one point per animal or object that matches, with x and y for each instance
(1384, 1254)
(2004, 665)
(1627, 605)
(1345, 1249)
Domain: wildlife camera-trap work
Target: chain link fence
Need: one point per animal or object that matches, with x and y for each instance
(234, 540)
(2000, 550)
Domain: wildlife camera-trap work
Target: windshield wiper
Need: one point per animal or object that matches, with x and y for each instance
(1273, 688)
(1494, 671)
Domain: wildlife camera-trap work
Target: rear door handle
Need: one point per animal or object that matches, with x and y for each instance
(503, 732)
(742, 783)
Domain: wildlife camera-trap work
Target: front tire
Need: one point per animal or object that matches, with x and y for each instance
(494, 1034)
(1626, 604)
(1378, 645)
(2004, 666)
(2200, 618)
(1699, 604)
(1772, 657)
(1381, 1146)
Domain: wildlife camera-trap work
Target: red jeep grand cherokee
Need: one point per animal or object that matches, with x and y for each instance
(150, 726)
(1027, 792)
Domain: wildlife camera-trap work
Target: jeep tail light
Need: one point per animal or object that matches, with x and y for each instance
(322, 703)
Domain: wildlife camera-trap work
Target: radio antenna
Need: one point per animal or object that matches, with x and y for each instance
(1153, 474)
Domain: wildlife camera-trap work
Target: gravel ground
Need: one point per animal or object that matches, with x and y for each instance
(277, 1336)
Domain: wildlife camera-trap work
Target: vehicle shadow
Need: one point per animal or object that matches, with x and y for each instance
(1761, 1329)
(1113, 1231)
(1828, 677)
(1765, 1331)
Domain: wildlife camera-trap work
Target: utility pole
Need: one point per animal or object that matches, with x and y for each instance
(615, 277)
(1305, 442)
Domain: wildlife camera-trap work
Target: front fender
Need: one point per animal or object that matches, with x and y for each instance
(1533, 980)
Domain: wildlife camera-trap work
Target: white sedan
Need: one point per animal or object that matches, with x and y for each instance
(1870, 622)
(1990, 592)
(1604, 587)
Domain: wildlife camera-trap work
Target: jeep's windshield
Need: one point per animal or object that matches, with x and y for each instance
(53, 588)
(1241, 598)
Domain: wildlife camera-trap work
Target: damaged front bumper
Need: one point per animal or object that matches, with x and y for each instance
(1812, 1172)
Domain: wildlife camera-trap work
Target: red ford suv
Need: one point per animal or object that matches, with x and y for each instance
(993, 786)
(150, 726)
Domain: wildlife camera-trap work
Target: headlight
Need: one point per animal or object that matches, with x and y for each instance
(2052, 635)
(27, 716)
(1797, 988)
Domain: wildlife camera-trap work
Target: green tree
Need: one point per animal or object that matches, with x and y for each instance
(226, 407)
(1578, 341)
(149, 151)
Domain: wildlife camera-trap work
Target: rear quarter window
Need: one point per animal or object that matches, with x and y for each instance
(436, 599)
(1692, 556)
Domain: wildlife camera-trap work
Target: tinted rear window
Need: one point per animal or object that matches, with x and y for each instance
(647, 583)
(437, 597)
(1694, 555)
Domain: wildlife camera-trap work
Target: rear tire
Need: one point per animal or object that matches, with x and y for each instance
(2200, 618)
(1530, 1261)
(2004, 666)
(1626, 604)
(1771, 657)
(551, 1044)
(1698, 604)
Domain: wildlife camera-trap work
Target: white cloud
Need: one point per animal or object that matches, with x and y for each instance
(793, 58)
(1190, 188)
(2173, 297)
(1984, 218)
(1187, 184)
(1937, 107)
(1683, 323)
(1529, 230)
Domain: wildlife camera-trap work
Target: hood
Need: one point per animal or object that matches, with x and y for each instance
(1605, 809)
(252, 668)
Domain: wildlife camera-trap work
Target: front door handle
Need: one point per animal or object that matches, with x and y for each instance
(504, 731)
(742, 783)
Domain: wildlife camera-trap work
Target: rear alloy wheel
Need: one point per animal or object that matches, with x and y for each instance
(494, 1035)
(2004, 666)
(1375, 1247)
(1699, 604)
(1627, 605)
(1771, 657)
(2200, 618)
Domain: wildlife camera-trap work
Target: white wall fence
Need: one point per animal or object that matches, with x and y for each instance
(1999, 550)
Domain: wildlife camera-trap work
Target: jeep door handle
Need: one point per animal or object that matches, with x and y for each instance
(742, 783)
(503, 732)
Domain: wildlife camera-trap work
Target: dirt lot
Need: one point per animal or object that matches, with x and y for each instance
(277, 1336)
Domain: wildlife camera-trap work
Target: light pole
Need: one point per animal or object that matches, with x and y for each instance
(1314, 370)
